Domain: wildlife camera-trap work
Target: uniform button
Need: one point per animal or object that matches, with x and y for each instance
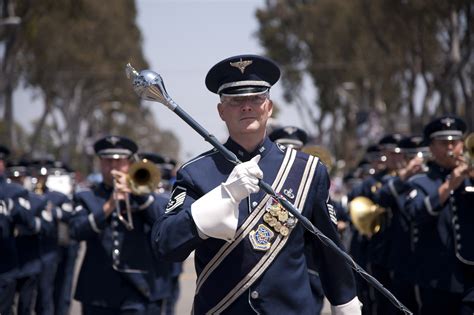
(116, 243)
(459, 246)
(458, 236)
(114, 214)
(456, 226)
(114, 224)
(115, 253)
(115, 234)
(254, 204)
(254, 295)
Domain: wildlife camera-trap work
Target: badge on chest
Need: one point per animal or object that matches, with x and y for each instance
(278, 221)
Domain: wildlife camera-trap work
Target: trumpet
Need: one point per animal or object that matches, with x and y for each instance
(366, 215)
(143, 178)
(468, 154)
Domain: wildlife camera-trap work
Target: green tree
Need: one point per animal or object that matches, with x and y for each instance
(74, 52)
(368, 60)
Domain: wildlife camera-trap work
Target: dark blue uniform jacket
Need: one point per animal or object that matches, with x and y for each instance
(446, 231)
(119, 269)
(283, 288)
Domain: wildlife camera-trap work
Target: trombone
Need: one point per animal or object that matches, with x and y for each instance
(143, 177)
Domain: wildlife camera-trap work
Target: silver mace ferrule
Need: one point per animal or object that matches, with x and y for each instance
(149, 86)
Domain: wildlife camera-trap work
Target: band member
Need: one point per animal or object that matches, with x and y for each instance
(166, 166)
(59, 188)
(28, 242)
(14, 211)
(249, 251)
(400, 259)
(370, 171)
(119, 274)
(48, 242)
(441, 203)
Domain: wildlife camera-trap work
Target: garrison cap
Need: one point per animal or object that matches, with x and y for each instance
(289, 136)
(364, 167)
(115, 147)
(413, 142)
(412, 145)
(59, 167)
(40, 166)
(17, 168)
(372, 152)
(4, 152)
(242, 75)
(448, 127)
(152, 157)
(391, 142)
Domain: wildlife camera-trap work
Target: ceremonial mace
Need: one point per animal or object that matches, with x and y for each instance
(150, 86)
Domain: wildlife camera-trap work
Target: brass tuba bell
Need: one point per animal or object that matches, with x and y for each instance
(321, 152)
(366, 215)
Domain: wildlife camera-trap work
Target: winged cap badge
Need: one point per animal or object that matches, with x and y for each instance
(241, 65)
(113, 140)
(290, 130)
(447, 121)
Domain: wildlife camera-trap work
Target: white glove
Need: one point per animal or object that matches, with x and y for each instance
(353, 307)
(216, 213)
(243, 180)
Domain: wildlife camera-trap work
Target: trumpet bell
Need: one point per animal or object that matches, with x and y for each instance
(143, 177)
(366, 215)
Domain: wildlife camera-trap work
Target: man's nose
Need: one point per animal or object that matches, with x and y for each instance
(245, 107)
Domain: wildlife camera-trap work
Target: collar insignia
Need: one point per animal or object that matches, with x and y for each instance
(447, 121)
(113, 140)
(241, 65)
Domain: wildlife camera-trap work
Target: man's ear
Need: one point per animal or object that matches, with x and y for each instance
(220, 109)
(270, 108)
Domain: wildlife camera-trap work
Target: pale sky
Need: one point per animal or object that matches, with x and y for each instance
(182, 40)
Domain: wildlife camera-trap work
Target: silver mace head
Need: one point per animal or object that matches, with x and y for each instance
(149, 86)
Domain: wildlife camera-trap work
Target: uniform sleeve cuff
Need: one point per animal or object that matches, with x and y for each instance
(353, 307)
(397, 186)
(145, 203)
(37, 225)
(97, 221)
(432, 204)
